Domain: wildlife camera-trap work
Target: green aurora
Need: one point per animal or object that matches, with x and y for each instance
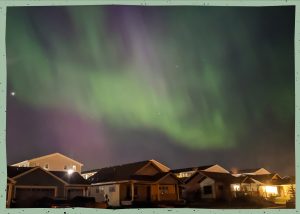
(201, 76)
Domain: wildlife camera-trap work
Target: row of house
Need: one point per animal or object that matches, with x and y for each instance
(58, 176)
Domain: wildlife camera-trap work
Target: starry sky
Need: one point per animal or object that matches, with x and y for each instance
(184, 85)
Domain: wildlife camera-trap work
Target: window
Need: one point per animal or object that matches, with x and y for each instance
(221, 188)
(74, 167)
(65, 167)
(112, 189)
(46, 166)
(207, 190)
(97, 190)
(164, 189)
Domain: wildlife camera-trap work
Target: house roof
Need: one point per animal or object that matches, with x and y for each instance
(153, 178)
(191, 168)
(127, 172)
(16, 172)
(13, 171)
(263, 178)
(222, 177)
(49, 155)
(89, 171)
(241, 171)
(117, 173)
(74, 178)
(205, 167)
(184, 169)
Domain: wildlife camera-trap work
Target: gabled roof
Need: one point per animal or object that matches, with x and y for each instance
(243, 171)
(126, 172)
(222, 177)
(265, 179)
(117, 173)
(205, 167)
(184, 169)
(16, 172)
(90, 171)
(73, 178)
(13, 171)
(153, 178)
(47, 156)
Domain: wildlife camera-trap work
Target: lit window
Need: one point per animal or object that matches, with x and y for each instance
(74, 167)
(236, 187)
(271, 190)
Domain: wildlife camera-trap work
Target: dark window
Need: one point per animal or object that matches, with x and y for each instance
(112, 189)
(207, 190)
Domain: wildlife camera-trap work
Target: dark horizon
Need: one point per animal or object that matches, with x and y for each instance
(186, 86)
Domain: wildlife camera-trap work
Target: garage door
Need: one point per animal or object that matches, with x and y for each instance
(26, 197)
(74, 192)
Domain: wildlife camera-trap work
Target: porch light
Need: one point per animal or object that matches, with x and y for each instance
(70, 171)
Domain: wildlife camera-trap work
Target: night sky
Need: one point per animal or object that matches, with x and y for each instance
(186, 86)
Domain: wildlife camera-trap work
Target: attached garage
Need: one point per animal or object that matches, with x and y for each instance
(27, 196)
(71, 193)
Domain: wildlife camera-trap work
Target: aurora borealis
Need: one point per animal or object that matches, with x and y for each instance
(183, 85)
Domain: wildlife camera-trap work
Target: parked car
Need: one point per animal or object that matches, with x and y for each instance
(60, 203)
(81, 201)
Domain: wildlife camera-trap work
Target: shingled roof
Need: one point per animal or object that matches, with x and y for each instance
(241, 171)
(73, 178)
(126, 172)
(13, 171)
(191, 168)
(184, 169)
(266, 179)
(222, 177)
(117, 173)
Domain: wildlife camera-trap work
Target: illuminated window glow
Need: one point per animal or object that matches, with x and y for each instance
(236, 187)
(271, 190)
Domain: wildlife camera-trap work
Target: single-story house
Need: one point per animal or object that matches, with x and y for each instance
(204, 185)
(146, 181)
(33, 183)
(189, 189)
(270, 186)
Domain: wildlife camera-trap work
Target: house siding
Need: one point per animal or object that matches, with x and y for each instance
(56, 163)
(148, 170)
(113, 196)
